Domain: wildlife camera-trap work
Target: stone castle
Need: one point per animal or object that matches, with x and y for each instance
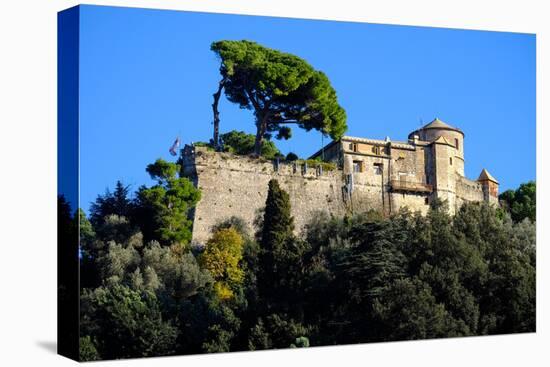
(383, 175)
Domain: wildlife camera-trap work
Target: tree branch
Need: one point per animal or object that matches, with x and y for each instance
(255, 103)
(285, 121)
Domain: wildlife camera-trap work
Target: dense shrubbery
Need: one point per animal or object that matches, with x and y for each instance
(521, 203)
(241, 143)
(356, 279)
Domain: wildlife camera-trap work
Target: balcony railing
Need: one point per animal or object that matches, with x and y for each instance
(402, 185)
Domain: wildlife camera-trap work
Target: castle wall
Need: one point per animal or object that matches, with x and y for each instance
(371, 185)
(237, 186)
(467, 190)
(412, 201)
(408, 165)
(383, 177)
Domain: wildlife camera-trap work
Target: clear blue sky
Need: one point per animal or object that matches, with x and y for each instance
(148, 75)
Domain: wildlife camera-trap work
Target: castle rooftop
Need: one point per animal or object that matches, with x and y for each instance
(486, 176)
(436, 124)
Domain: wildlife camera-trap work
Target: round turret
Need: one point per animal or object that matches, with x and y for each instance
(454, 136)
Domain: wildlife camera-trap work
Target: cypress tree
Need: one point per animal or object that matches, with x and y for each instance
(280, 253)
(278, 223)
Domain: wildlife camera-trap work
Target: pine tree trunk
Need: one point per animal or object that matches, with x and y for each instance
(261, 125)
(217, 95)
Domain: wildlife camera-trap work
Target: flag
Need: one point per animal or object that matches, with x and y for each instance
(175, 146)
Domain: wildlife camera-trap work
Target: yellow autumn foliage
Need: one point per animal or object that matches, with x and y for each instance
(223, 291)
(221, 258)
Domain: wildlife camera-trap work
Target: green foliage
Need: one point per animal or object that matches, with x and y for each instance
(301, 342)
(376, 260)
(172, 273)
(241, 143)
(207, 324)
(159, 212)
(276, 240)
(280, 88)
(278, 223)
(219, 340)
(163, 209)
(278, 331)
(162, 171)
(291, 157)
(89, 250)
(408, 310)
(414, 277)
(281, 267)
(361, 278)
(521, 203)
(259, 338)
(87, 350)
(111, 203)
(126, 323)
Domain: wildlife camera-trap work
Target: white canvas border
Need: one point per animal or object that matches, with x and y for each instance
(28, 183)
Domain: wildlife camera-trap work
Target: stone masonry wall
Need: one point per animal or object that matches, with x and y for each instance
(467, 190)
(237, 186)
(234, 185)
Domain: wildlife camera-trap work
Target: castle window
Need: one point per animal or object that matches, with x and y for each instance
(456, 143)
(353, 147)
(378, 168)
(426, 201)
(451, 161)
(376, 150)
(357, 166)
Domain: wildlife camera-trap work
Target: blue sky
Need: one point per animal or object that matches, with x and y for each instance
(147, 76)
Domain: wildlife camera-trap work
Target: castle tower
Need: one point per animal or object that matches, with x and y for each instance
(453, 136)
(490, 187)
(445, 158)
(443, 172)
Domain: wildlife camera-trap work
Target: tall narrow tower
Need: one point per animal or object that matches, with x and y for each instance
(445, 158)
(454, 137)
